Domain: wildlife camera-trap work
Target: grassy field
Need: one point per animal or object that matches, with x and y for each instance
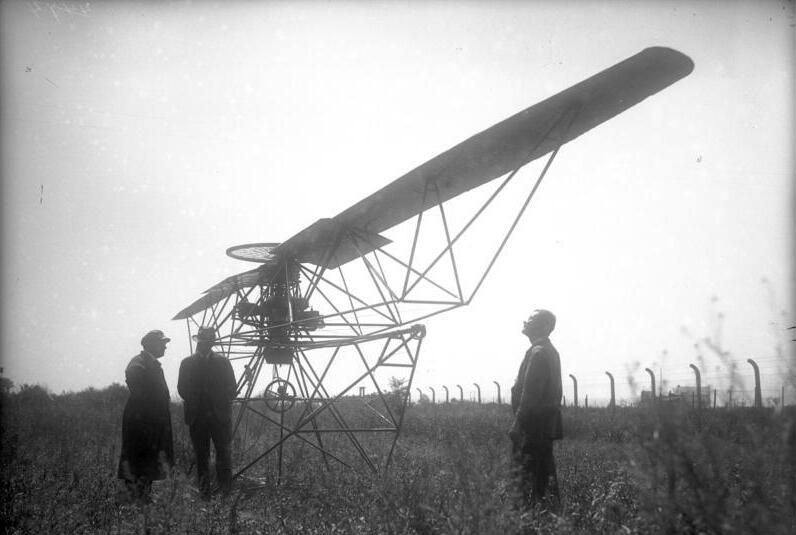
(633, 471)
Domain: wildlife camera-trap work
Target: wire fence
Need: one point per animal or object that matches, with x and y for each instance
(741, 388)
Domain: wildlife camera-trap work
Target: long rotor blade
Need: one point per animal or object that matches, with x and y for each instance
(510, 144)
(504, 147)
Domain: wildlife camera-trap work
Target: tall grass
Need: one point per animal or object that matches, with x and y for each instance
(635, 470)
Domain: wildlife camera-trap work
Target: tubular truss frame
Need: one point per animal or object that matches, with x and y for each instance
(354, 320)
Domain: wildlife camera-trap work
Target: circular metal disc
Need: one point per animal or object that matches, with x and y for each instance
(280, 395)
(253, 252)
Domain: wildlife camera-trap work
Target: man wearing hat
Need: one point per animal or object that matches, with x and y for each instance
(207, 385)
(147, 450)
(536, 402)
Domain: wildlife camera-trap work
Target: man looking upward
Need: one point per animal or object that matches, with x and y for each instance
(536, 402)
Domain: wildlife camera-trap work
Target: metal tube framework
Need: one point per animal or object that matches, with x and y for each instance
(300, 407)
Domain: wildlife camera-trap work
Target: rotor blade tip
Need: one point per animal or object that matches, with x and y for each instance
(681, 62)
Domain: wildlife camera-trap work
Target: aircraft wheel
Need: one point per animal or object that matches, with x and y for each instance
(280, 395)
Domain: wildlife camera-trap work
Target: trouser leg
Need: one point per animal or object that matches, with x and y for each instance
(542, 468)
(523, 470)
(139, 488)
(200, 437)
(551, 472)
(221, 434)
(542, 454)
(145, 484)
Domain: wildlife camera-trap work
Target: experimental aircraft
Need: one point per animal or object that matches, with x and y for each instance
(334, 310)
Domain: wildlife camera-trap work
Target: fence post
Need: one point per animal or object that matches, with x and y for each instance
(478, 388)
(447, 395)
(652, 383)
(433, 394)
(419, 395)
(758, 396)
(575, 386)
(698, 395)
(461, 392)
(612, 403)
(498, 389)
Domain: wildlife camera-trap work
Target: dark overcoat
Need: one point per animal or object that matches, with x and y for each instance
(536, 395)
(207, 386)
(147, 449)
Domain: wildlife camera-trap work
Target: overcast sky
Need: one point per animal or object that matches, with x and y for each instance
(141, 140)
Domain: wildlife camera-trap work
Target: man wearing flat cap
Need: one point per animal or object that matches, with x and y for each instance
(207, 385)
(147, 450)
(536, 402)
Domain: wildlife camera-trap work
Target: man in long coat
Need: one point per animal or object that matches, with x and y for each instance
(207, 385)
(536, 402)
(147, 449)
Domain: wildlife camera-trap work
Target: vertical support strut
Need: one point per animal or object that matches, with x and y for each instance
(612, 403)
(575, 387)
(652, 383)
(758, 392)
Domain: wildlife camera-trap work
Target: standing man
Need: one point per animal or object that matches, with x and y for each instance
(147, 450)
(207, 385)
(536, 402)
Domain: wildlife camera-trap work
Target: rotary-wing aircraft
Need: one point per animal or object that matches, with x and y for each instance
(334, 309)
